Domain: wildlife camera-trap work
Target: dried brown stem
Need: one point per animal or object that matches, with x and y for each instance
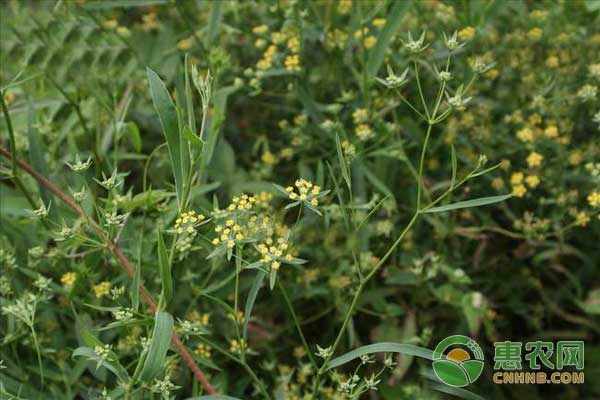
(116, 250)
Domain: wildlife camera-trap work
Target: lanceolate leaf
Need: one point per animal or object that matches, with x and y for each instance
(482, 201)
(110, 363)
(165, 270)
(407, 349)
(161, 338)
(168, 118)
(260, 277)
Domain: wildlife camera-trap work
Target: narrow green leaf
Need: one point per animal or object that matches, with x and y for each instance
(161, 338)
(482, 201)
(342, 161)
(165, 270)
(189, 102)
(169, 121)
(213, 397)
(384, 347)
(258, 280)
(392, 24)
(454, 165)
(215, 20)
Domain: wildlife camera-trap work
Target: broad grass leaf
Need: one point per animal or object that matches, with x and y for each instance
(482, 201)
(384, 347)
(161, 339)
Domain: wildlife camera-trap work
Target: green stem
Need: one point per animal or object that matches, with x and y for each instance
(297, 324)
(420, 90)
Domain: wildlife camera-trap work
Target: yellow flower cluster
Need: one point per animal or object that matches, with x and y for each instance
(269, 158)
(292, 63)
(186, 44)
(102, 289)
(235, 346)
(267, 61)
(360, 115)
(68, 279)
(228, 234)
(336, 38)
(582, 219)
(593, 199)
(271, 253)
(379, 22)
(534, 159)
(242, 203)
(202, 350)
(306, 192)
(260, 29)
(188, 221)
(466, 34)
(364, 132)
(195, 316)
(293, 44)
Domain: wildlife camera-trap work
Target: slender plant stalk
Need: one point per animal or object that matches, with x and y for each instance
(117, 252)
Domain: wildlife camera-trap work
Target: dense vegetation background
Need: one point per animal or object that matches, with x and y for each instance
(293, 95)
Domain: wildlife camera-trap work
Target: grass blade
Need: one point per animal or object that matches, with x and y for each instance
(161, 339)
(482, 201)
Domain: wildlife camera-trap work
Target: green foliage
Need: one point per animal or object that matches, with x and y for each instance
(310, 194)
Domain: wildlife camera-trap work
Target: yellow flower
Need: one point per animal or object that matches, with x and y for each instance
(534, 159)
(516, 178)
(202, 350)
(466, 33)
(519, 190)
(260, 29)
(535, 34)
(370, 42)
(260, 43)
(532, 181)
(363, 131)
(582, 219)
(235, 345)
(525, 135)
(293, 44)
(576, 157)
(552, 62)
(102, 289)
(551, 131)
(269, 158)
(498, 183)
(360, 115)
(594, 199)
(185, 44)
(292, 63)
(344, 6)
(68, 279)
(379, 22)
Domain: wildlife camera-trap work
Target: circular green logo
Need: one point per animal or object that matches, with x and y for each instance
(457, 361)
